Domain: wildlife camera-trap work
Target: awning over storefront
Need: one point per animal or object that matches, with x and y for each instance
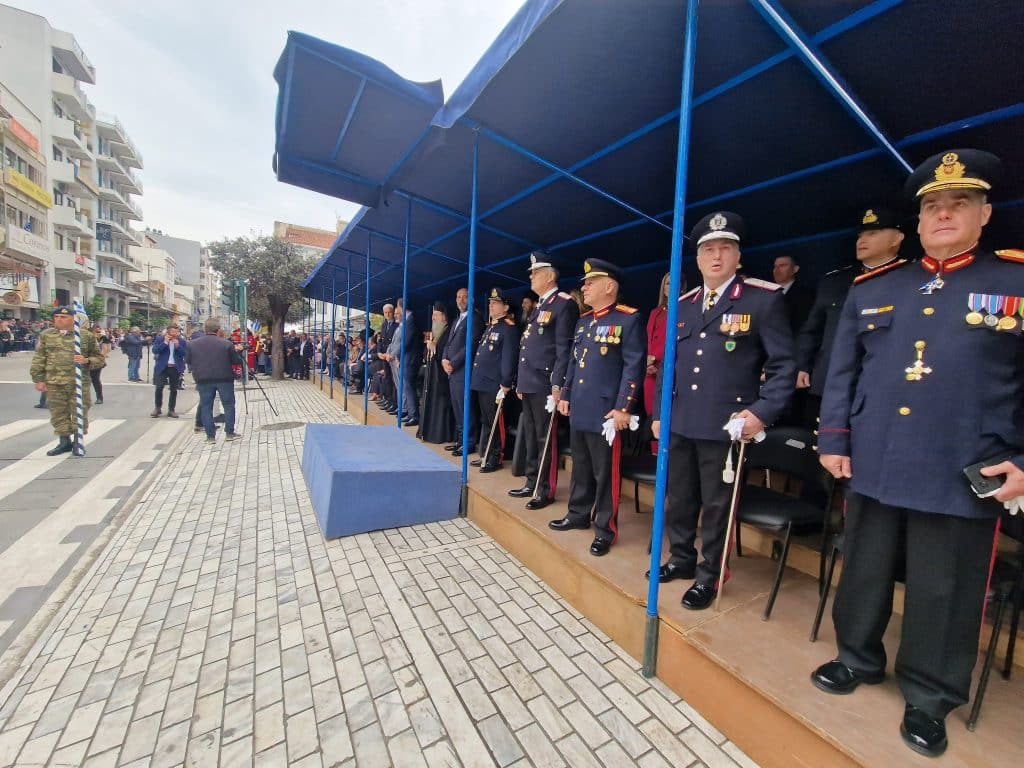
(576, 108)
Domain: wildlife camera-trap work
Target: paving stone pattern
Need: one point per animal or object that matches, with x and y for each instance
(218, 628)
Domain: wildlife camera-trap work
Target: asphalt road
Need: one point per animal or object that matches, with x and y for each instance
(53, 509)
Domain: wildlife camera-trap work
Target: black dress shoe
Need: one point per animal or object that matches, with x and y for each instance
(451, 447)
(600, 547)
(457, 451)
(672, 571)
(699, 596)
(489, 467)
(411, 422)
(568, 524)
(521, 493)
(476, 462)
(836, 677)
(923, 733)
(539, 503)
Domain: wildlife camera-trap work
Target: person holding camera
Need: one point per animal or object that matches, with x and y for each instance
(169, 349)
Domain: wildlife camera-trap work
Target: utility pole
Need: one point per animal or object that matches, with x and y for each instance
(149, 296)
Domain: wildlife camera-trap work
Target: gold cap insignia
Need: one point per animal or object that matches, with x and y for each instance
(533, 259)
(586, 267)
(950, 168)
(717, 222)
(870, 217)
(494, 293)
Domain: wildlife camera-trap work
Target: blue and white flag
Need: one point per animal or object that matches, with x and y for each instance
(254, 326)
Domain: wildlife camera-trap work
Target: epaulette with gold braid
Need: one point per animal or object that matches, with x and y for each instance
(1011, 254)
(626, 309)
(880, 271)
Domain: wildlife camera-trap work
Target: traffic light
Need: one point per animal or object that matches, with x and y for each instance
(229, 293)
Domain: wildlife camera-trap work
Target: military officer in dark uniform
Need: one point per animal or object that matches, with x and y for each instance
(543, 361)
(926, 378)
(730, 329)
(494, 376)
(606, 369)
(879, 239)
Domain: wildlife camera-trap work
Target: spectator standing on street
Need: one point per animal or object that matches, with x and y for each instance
(132, 347)
(6, 339)
(103, 341)
(169, 349)
(211, 359)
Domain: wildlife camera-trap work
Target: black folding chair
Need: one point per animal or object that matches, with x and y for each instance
(790, 452)
(639, 470)
(1006, 590)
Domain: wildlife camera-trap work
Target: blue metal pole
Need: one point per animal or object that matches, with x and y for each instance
(671, 318)
(348, 321)
(334, 294)
(366, 323)
(468, 366)
(405, 310)
(787, 29)
(323, 322)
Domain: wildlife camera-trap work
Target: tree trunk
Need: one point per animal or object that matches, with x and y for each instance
(278, 312)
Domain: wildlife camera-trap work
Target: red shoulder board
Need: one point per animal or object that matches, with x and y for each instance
(1011, 254)
(587, 314)
(565, 295)
(880, 271)
(626, 309)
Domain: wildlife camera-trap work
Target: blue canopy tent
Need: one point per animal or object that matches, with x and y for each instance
(565, 136)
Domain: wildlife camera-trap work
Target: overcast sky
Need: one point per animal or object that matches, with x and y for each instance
(192, 82)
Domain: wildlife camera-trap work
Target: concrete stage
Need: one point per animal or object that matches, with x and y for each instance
(748, 677)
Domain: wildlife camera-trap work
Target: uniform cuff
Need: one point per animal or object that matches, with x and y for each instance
(833, 442)
(1018, 461)
(627, 398)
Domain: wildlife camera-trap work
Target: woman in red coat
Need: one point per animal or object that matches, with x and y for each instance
(656, 347)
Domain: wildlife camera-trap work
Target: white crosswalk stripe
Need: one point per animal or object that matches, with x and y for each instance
(17, 427)
(19, 474)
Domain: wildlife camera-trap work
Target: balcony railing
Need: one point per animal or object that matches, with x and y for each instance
(109, 119)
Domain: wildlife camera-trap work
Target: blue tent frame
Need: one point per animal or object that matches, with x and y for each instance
(359, 238)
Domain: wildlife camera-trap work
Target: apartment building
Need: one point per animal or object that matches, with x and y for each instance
(24, 209)
(153, 288)
(89, 161)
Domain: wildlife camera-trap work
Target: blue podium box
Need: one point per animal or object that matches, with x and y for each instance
(370, 478)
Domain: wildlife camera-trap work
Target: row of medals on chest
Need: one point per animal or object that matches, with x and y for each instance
(1000, 312)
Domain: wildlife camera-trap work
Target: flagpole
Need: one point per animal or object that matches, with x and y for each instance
(78, 448)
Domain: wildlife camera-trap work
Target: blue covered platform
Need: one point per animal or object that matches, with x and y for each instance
(369, 478)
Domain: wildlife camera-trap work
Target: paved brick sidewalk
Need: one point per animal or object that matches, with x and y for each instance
(219, 628)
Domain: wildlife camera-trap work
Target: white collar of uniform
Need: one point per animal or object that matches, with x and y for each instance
(546, 296)
(721, 290)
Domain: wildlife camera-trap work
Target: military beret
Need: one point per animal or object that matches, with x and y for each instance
(878, 218)
(954, 169)
(601, 268)
(718, 225)
(497, 294)
(63, 311)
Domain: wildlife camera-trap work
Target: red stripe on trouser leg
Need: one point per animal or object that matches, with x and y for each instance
(553, 466)
(991, 567)
(613, 522)
(501, 436)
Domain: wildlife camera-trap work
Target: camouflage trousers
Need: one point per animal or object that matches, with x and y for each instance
(61, 401)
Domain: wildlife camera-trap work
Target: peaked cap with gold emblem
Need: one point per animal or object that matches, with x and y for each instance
(954, 169)
(878, 218)
(720, 225)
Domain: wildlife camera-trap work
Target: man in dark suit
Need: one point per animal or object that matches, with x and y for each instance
(729, 330)
(543, 361)
(293, 363)
(169, 350)
(306, 348)
(878, 243)
(601, 386)
(387, 331)
(926, 379)
(453, 360)
(411, 344)
(797, 298)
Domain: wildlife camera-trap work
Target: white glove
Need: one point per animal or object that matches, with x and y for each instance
(608, 430)
(634, 423)
(549, 406)
(735, 429)
(1015, 506)
(500, 396)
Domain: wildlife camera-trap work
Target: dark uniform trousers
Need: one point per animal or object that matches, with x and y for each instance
(457, 392)
(487, 410)
(535, 428)
(695, 481)
(947, 565)
(595, 482)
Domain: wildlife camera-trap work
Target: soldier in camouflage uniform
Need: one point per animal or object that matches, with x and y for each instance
(53, 371)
